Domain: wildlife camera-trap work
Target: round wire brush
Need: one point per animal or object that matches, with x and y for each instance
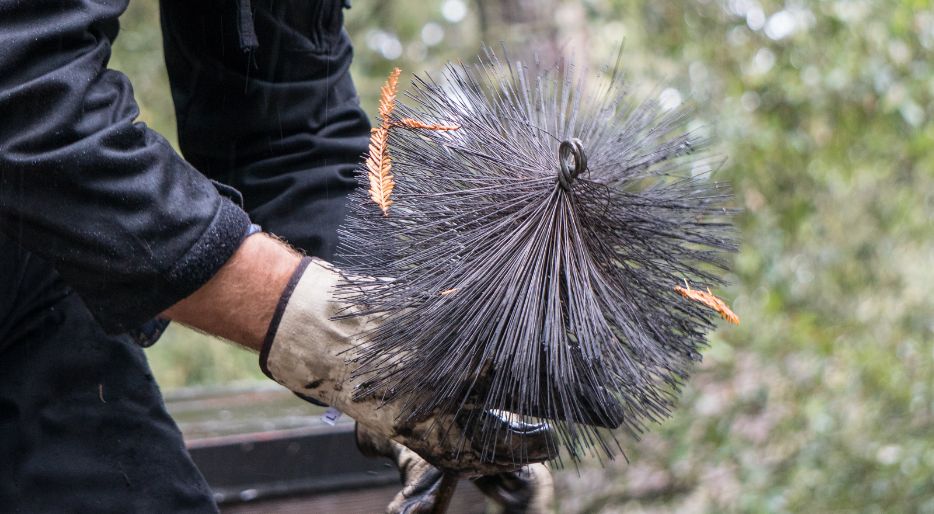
(535, 236)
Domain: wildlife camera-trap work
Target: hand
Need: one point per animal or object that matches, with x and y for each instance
(266, 297)
(421, 482)
(528, 490)
(308, 348)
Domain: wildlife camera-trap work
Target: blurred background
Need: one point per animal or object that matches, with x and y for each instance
(823, 399)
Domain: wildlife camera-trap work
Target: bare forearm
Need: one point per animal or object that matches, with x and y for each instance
(239, 302)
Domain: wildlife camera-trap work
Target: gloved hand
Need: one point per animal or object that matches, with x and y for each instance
(421, 481)
(528, 490)
(307, 350)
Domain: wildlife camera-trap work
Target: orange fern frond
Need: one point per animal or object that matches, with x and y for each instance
(387, 96)
(415, 124)
(707, 298)
(379, 169)
(378, 161)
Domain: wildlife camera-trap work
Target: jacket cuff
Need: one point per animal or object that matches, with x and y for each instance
(128, 310)
(215, 247)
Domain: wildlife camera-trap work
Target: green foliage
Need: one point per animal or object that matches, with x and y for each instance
(823, 399)
(185, 358)
(138, 54)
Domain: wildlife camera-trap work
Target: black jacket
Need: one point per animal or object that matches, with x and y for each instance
(265, 104)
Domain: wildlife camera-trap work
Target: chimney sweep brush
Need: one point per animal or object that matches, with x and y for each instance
(545, 247)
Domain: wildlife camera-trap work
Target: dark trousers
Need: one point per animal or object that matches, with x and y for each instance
(82, 424)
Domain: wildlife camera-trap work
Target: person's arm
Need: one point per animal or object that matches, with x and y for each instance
(130, 225)
(238, 303)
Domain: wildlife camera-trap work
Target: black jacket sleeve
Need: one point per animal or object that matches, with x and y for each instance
(265, 103)
(128, 223)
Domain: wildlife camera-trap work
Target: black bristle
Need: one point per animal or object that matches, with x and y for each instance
(518, 290)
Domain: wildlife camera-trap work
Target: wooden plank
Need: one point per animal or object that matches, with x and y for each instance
(467, 500)
(264, 450)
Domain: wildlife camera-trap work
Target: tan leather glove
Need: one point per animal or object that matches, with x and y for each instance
(421, 482)
(307, 351)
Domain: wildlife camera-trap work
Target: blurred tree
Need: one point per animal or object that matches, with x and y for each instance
(528, 25)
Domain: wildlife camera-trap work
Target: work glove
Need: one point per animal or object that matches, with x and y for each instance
(308, 348)
(528, 490)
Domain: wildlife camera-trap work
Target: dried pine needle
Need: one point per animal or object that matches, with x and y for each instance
(415, 124)
(707, 298)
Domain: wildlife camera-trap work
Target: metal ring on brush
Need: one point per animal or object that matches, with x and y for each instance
(570, 148)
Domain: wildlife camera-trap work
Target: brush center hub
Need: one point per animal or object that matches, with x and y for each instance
(568, 150)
